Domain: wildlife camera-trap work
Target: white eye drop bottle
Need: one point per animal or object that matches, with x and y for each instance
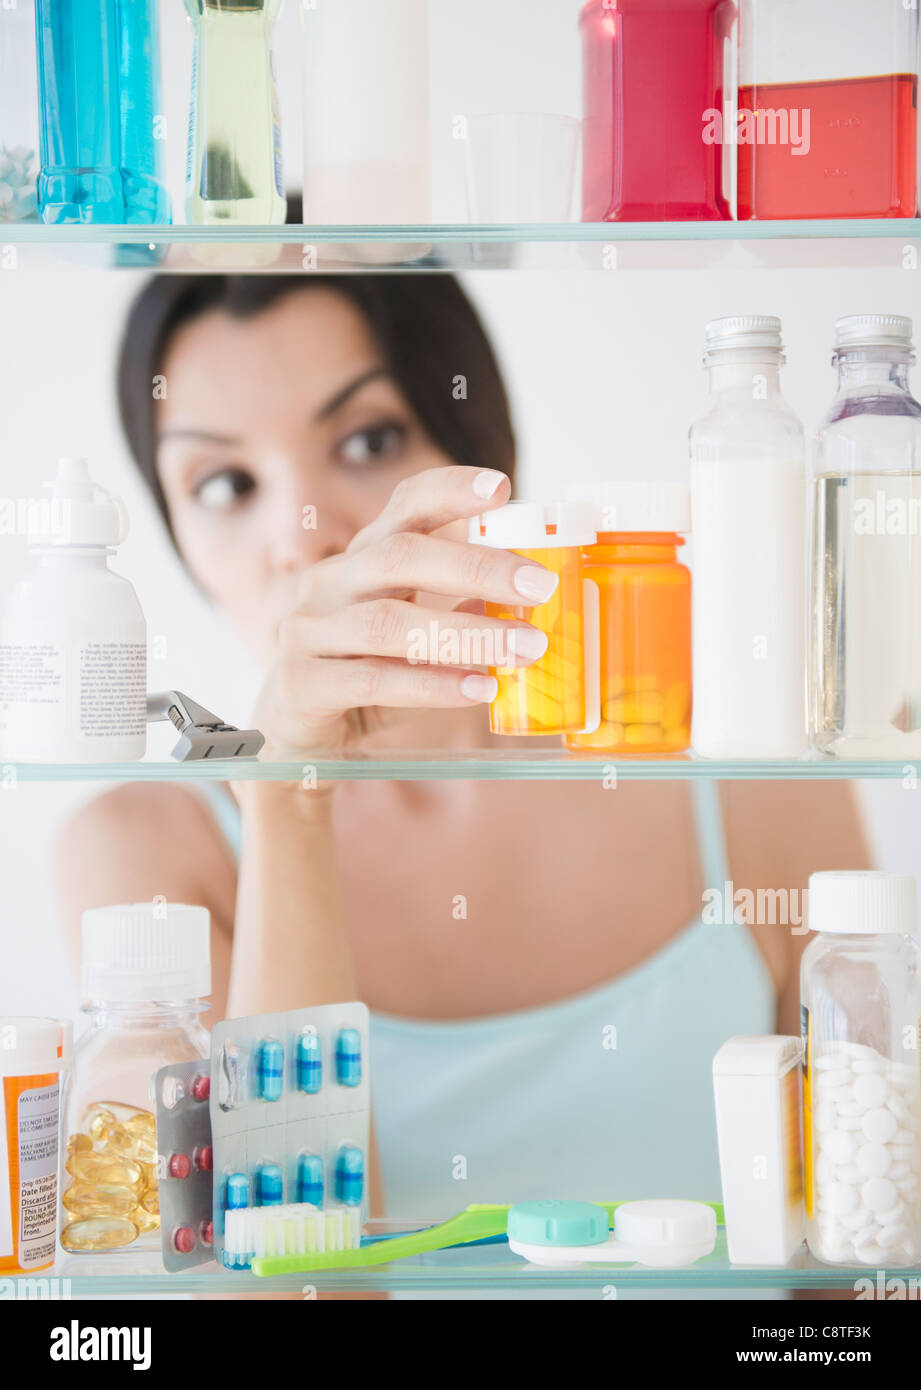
(73, 640)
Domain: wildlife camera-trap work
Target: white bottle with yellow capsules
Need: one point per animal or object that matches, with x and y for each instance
(233, 167)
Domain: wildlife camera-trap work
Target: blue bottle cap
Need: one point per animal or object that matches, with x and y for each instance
(558, 1223)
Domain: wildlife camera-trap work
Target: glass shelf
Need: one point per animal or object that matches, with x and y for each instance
(483, 1269)
(483, 765)
(577, 245)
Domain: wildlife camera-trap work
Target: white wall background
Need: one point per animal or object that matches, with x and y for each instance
(603, 371)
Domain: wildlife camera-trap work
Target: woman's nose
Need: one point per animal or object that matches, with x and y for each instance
(305, 532)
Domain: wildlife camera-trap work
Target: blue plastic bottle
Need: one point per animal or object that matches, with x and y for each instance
(99, 100)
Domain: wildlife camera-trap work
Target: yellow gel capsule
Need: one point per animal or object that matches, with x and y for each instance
(101, 1124)
(120, 1144)
(148, 1175)
(99, 1199)
(116, 1108)
(99, 1233)
(142, 1125)
(146, 1220)
(103, 1168)
(76, 1142)
(144, 1150)
(151, 1201)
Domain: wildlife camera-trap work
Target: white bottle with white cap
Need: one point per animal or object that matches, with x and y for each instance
(73, 640)
(860, 987)
(748, 503)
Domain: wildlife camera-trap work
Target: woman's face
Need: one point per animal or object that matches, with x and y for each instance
(264, 417)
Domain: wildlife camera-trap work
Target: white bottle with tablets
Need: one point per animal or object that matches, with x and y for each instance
(757, 1087)
(748, 516)
(73, 640)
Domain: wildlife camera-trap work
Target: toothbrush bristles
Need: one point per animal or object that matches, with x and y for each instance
(297, 1229)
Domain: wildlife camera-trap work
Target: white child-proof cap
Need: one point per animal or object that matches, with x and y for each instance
(873, 330)
(526, 526)
(33, 1046)
(635, 506)
(863, 902)
(146, 953)
(78, 511)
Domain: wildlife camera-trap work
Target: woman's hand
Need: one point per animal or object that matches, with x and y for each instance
(358, 651)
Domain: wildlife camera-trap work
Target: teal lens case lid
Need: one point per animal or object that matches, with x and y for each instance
(558, 1222)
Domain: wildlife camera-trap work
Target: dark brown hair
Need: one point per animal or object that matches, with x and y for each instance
(425, 326)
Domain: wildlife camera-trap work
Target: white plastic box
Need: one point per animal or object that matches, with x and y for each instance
(757, 1085)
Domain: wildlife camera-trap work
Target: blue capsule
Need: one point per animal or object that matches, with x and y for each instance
(270, 1069)
(310, 1179)
(308, 1061)
(348, 1057)
(270, 1185)
(236, 1192)
(350, 1175)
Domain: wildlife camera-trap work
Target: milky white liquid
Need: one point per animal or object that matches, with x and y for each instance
(748, 600)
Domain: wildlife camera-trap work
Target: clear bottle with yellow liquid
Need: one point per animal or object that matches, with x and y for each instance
(146, 974)
(234, 168)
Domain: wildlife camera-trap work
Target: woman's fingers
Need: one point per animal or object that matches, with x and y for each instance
(393, 628)
(331, 686)
(408, 562)
(426, 501)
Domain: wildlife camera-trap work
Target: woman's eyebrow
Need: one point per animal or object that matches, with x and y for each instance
(337, 401)
(334, 403)
(205, 436)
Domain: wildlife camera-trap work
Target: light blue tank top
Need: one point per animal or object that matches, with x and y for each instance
(606, 1095)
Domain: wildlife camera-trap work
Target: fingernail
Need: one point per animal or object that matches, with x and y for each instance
(486, 483)
(482, 689)
(535, 583)
(527, 642)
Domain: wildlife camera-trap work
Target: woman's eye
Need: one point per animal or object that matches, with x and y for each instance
(224, 490)
(370, 445)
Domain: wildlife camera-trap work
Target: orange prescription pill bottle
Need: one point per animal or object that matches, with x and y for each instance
(35, 1056)
(644, 596)
(557, 694)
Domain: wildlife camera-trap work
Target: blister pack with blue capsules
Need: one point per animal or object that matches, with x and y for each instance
(290, 1115)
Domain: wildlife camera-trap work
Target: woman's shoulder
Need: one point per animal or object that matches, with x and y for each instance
(141, 809)
(140, 840)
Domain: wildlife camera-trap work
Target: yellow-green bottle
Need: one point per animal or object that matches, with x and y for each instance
(233, 168)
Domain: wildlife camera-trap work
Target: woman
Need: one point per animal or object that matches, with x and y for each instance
(544, 1016)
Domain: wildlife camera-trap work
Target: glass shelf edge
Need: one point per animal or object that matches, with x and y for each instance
(463, 768)
(37, 234)
(447, 1279)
